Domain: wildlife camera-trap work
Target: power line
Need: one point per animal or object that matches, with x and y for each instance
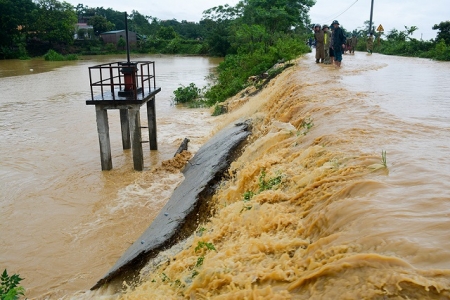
(335, 17)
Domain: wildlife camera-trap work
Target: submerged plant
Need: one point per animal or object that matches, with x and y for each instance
(264, 185)
(269, 184)
(194, 273)
(186, 94)
(248, 195)
(200, 231)
(383, 158)
(164, 277)
(199, 261)
(382, 164)
(208, 246)
(305, 126)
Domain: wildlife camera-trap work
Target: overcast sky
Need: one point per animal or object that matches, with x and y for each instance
(350, 13)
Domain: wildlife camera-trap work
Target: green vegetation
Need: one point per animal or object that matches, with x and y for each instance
(52, 55)
(248, 195)
(186, 94)
(201, 245)
(204, 245)
(269, 184)
(383, 158)
(218, 110)
(199, 261)
(264, 185)
(253, 35)
(200, 231)
(397, 42)
(305, 126)
(9, 288)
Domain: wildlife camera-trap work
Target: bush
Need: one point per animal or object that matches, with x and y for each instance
(52, 55)
(186, 94)
(110, 48)
(234, 71)
(71, 57)
(441, 51)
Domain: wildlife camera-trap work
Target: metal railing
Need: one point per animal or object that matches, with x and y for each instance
(107, 80)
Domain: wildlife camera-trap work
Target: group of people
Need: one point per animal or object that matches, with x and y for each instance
(350, 44)
(330, 44)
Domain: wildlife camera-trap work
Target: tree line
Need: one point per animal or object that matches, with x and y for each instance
(32, 27)
(401, 42)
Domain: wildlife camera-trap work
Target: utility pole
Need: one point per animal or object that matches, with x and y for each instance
(370, 22)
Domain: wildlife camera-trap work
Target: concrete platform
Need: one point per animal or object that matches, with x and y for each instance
(114, 100)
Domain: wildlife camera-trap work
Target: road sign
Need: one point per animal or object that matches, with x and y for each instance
(380, 28)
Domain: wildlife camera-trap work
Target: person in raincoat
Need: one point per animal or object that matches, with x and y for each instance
(354, 43)
(326, 44)
(318, 36)
(348, 45)
(331, 45)
(370, 43)
(338, 43)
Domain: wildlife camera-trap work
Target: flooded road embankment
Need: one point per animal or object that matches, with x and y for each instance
(342, 191)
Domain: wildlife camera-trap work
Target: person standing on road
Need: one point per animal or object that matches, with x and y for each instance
(354, 43)
(338, 43)
(318, 36)
(331, 45)
(326, 44)
(370, 43)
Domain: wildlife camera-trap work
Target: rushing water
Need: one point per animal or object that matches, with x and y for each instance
(64, 222)
(340, 225)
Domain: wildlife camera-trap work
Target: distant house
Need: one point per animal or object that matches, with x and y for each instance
(114, 36)
(83, 26)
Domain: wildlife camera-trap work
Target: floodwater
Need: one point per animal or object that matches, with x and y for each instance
(312, 209)
(64, 222)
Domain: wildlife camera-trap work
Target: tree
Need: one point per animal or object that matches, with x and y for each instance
(121, 43)
(410, 30)
(54, 21)
(277, 16)
(217, 25)
(249, 38)
(139, 23)
(444, 31)
(100, 24)
(258, 21)
(167, 33)
(115, 17)
(15, 20)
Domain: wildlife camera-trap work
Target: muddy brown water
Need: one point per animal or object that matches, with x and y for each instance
(341, 226)
(64, 222)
